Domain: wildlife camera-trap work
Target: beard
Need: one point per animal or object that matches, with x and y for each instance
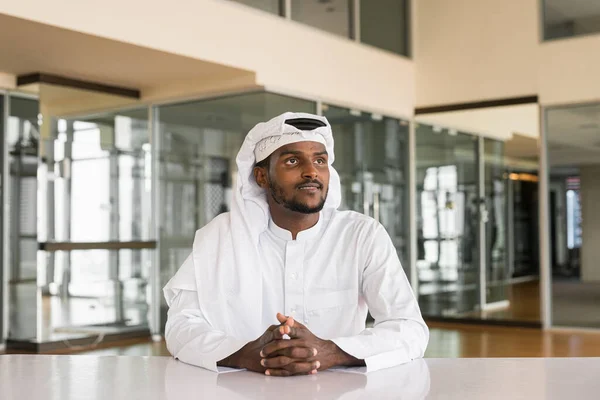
(294, 204)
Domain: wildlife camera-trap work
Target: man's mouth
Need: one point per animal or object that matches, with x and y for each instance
(310, 187)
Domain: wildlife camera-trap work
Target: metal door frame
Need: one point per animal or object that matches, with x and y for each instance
(4, 196)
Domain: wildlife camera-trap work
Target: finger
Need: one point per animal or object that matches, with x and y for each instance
(276, 362)
(297, 353)
(281, 318)
(282, 330)
(277, 372)
(285, 320)
(297, 332)
(302, 368)
(277, 345)
(268, 335)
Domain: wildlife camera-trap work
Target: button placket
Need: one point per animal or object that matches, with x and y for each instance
(294, 286)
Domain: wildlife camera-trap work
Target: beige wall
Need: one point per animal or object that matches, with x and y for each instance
(569, 70)
(7, 81)
(590, 247)
(285, 55)
(471, 50)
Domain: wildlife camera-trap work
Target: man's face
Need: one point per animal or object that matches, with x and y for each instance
(297, 177)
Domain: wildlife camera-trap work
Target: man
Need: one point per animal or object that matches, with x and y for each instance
(286, 260)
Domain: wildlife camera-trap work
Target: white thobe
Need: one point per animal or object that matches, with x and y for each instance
(328, 279)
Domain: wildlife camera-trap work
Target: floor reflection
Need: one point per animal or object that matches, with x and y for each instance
(61, 319)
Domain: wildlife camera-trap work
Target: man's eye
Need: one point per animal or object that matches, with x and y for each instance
(321, 161)
(292, 161)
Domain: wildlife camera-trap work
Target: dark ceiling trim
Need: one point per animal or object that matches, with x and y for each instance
(511, 101)
(77, 84)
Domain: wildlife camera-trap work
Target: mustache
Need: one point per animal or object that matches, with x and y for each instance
(312, 182)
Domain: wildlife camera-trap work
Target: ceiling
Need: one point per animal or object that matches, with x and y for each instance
(29, 47)
(521, 147)
(499, 123)
(574, 135)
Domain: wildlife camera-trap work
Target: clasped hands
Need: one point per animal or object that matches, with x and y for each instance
(302, 354)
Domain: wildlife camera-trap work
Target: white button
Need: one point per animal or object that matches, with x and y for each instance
(293, 311)
(294, 275)
(306, 321)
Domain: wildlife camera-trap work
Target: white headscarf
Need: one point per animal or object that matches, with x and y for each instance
(226, 261)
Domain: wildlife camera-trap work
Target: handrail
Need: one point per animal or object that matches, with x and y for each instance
(70, 246)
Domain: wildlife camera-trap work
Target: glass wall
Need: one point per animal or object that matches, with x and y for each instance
(568, 18)
(198, 145)
(372, 160)
(80, 219)
(271, 6)
(447, 221)
(573, 148)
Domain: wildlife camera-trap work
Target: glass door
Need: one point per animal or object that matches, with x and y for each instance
(372, 160)
(447, 221)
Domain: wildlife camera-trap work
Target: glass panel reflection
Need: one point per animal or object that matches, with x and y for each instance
(495, 228)
(22, 136)
(447, 221)
(97, 303)
(199, 142)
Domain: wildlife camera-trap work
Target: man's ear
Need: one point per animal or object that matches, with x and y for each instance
(260, 176)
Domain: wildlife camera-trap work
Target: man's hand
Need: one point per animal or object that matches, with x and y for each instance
(291, 357)
(249, 356)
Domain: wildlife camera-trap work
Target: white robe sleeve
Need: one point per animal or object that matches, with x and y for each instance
(399, 333)
(189, 336)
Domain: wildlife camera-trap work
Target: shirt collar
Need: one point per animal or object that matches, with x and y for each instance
(304, 235)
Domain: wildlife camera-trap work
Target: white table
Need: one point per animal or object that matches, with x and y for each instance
(110, 377)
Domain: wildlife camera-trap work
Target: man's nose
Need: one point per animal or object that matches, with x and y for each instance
(309, 171)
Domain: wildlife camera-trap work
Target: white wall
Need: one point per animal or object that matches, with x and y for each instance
(472, 50)
(590, 247)
(285, 55)
(569, 70)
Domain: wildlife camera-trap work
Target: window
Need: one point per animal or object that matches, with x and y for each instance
(271, 6)
(329, 15)
(385, 24)
(568, 18)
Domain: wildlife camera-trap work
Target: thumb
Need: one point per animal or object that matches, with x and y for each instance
(281, 318)
(285, 320)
